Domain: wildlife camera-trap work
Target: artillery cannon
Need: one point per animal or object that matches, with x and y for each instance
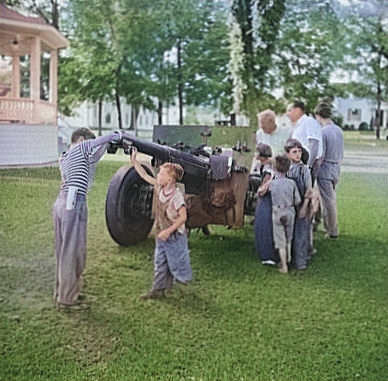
(217, 191)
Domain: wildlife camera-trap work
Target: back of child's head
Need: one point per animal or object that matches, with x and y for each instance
(263, 150)
(292, 143)
(175, 170)
(82, 132)
(323, 110)
(282, 164)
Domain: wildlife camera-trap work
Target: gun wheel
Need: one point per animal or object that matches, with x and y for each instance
(128, 207)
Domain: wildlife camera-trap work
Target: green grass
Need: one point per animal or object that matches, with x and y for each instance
(237, 320)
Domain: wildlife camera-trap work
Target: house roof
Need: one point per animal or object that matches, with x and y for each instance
(17, 31)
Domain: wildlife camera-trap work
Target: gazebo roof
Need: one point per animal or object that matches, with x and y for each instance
(17, 31)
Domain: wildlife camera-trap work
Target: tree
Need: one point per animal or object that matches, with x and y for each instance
(195, 55)
(367, 31)
(148, 51)
(89, 70)
(259, 23)
(311, 44)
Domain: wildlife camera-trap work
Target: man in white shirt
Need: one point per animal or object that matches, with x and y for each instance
(308, 131)
(270, 132)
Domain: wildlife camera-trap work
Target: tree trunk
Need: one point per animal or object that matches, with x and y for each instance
(160, 112)
(180, 84)
(134, 115)
(55, 14)
(118, 106)
(100, 117)
(378, 116)
(117, 98)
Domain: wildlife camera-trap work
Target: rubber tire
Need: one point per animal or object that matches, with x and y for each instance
(128, 207)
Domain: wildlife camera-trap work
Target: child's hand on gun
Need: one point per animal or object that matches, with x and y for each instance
(133, 153)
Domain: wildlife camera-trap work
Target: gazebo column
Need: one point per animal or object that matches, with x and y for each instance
(53, 76)
(15, 77)
(35, 73)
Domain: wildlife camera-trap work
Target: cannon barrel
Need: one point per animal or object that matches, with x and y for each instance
(193, 166)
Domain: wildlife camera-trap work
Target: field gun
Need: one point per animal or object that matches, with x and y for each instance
(216, 190)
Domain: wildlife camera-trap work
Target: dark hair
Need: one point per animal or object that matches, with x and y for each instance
(84, 132)
(282, 164)
(263, 150)
(299, 104)
(324, 110)
(292, 143)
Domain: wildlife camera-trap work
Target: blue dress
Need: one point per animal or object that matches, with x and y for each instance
(263, 229)
(263, 225)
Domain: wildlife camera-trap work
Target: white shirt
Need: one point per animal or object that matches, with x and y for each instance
(276, 140)
(307, 128)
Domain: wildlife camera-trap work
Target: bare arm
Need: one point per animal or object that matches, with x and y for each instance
(313, 148)
(140, 170)
(264, 187)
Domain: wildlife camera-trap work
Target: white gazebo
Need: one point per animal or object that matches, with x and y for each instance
(28, 90)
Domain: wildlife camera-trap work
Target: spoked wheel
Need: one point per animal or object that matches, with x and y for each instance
(128, 207)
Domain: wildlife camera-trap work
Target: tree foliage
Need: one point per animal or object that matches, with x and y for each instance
(146, 51)
(310, 47)
(259, 22)
(155, 53)
(367, 58)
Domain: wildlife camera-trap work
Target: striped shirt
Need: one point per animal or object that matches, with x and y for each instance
(78, 164)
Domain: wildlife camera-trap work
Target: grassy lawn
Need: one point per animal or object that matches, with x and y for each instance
(237, 320)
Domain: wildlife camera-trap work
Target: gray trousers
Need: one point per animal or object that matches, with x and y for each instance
(171, 261)
(70, 228)
(301, 242)
(329, 205)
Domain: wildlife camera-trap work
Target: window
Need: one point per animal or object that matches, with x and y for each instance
(354, 114)
(107, 118)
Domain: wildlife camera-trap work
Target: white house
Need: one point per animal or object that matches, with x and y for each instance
(357, 110)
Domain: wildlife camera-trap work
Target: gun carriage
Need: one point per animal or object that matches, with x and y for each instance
(218, 191)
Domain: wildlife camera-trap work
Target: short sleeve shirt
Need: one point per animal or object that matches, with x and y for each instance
(308, 128)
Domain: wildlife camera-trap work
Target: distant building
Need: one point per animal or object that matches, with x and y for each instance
(140, 122)
(356, 111)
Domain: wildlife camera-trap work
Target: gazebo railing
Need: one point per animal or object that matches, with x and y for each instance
(26, 111)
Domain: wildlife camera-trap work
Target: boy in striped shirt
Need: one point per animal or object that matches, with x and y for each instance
(70, 214)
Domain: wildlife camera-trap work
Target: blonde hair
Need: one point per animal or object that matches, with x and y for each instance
(267, 121)
(175, 170)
